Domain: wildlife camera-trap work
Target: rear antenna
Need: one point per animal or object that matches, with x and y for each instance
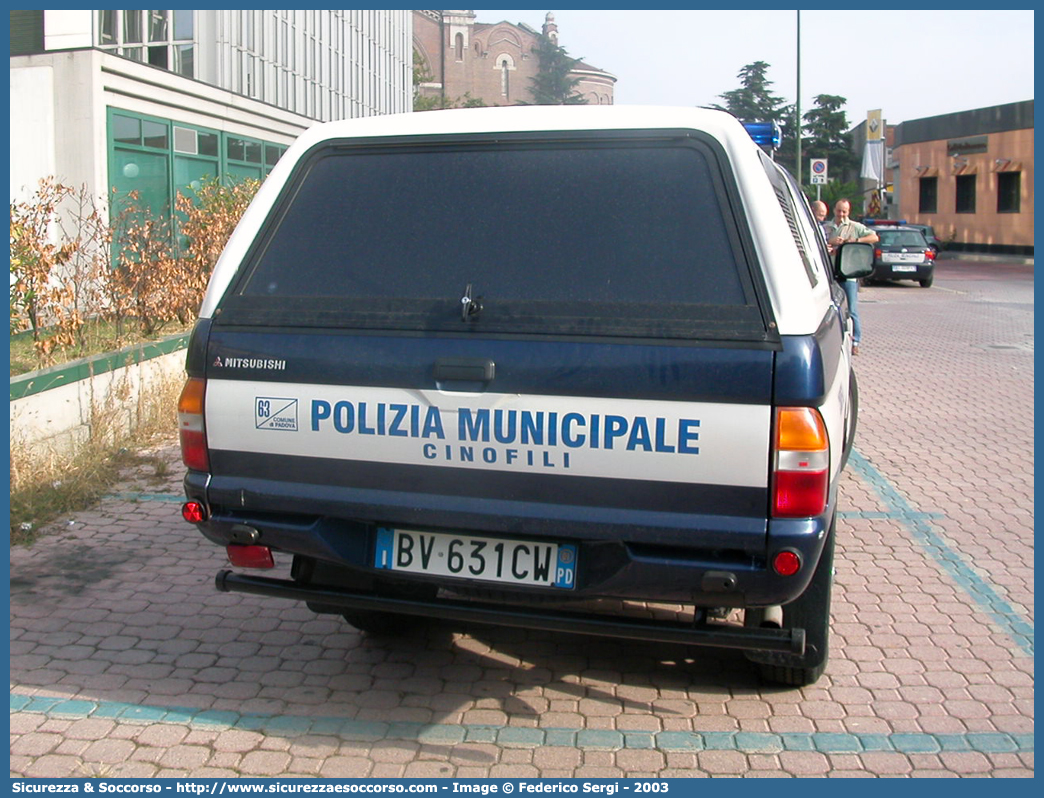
(469, 308)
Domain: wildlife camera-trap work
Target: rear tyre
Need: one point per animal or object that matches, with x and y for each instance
(310, 571)
(382, 624)
(811, 612)
(927, 281)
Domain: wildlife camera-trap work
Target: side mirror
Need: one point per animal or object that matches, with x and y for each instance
(854, 260)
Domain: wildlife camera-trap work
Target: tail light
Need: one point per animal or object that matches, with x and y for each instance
(250, 556)
(877, 253)
(802, 463)
(929, 254)
(194, 512)
(190, 425)
(786, 562)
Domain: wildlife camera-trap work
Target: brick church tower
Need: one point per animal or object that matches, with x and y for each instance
(491, 62)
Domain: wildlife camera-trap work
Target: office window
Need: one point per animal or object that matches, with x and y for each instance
(132, 27)
(244, 159)
(159, 35)
(164, 39)
(929, 195)
(125, 129)
(965, 194)
(107, 27)
(273, 152)
(155, 134)
(159, 159)
(1009, 192)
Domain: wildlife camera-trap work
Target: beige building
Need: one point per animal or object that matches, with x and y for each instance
(970, 176)
(491, 62)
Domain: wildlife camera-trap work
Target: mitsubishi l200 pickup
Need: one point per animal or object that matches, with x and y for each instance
(499, 365)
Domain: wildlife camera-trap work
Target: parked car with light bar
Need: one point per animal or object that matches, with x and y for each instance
(929, 236)
(902, 253)
(488, 364)
(926, 230)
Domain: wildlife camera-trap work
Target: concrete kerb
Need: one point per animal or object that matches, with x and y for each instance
(982, 257)
(55, 407)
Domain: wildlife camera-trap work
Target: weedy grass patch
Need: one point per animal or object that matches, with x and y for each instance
(49, 480)
(97, 337)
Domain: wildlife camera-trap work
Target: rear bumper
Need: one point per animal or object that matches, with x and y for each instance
(893, 271)
(790, 641)
(700, 561)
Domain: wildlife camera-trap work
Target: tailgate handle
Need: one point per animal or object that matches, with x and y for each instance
(464, 369)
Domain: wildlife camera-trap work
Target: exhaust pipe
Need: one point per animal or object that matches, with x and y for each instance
(772, 617)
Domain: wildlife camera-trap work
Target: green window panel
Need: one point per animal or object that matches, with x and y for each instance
(145, 172)
(189, 174)
(159, 158)
(273, 152)
(125, 129)
(235, 172)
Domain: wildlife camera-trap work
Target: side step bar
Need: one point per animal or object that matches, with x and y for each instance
(789, 641)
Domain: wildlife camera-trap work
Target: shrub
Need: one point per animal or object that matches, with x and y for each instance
(69, 263)
(38, 295)
(207, 222)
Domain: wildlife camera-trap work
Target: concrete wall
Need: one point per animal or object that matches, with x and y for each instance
(55, 409)
(68, 29)
(32, 129)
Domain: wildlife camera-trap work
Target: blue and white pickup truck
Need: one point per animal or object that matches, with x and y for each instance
(500, 364)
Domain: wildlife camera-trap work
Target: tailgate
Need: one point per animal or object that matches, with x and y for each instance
(553, 334)
(535, 437)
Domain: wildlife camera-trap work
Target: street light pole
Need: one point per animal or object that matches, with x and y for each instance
(797, 103)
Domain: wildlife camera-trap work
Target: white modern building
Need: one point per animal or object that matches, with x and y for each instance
(155, 100)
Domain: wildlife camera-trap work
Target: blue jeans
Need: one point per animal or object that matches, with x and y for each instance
(852, 292)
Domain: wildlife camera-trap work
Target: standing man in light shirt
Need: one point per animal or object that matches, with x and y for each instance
(820, 211)
(840, 231)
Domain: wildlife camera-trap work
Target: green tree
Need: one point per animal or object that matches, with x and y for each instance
(554, 83)
(835, 190)
(421, 75)
(754, 100)
(826, 129)
(786, 155)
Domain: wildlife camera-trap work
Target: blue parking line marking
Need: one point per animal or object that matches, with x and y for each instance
(519, 737)
(999, 610)
(146, 497)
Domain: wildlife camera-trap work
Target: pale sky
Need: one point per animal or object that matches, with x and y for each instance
(909, 64)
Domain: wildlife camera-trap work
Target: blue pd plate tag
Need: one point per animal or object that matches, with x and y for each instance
(565, 571)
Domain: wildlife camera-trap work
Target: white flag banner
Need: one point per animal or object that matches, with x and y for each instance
(873, 161)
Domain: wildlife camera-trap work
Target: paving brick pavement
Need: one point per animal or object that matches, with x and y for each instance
(125, 662)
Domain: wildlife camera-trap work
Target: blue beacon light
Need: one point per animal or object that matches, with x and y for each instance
(765, 134)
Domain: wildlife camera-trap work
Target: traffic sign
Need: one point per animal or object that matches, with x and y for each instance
(819, 171)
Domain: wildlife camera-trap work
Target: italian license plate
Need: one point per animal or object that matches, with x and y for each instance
(517, 562)
(898, 268)
(902, 257)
